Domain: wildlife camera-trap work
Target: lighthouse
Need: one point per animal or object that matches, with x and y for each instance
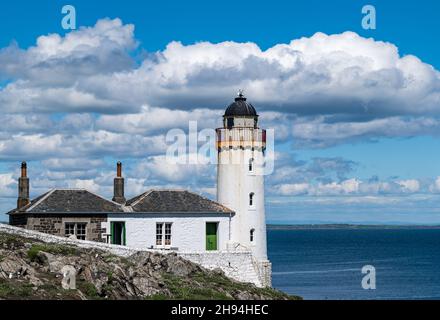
(241, 146)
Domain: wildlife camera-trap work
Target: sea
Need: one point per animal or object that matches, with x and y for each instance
(322, 264)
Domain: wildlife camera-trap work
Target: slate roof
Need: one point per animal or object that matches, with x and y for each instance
(67, 201)
(70, 201)
(175, 201)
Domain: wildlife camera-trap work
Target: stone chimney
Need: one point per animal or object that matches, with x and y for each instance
(118, 186)
(23, 188)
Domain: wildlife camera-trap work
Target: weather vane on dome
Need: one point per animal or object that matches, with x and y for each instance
(240, 93)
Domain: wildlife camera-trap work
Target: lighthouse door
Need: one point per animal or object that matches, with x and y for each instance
(211, 236)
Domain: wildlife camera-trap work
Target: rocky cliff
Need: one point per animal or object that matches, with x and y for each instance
(31, 269)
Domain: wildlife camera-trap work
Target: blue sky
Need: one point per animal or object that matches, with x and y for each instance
(71, 104)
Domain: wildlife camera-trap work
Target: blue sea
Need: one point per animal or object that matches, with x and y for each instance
(327, 264)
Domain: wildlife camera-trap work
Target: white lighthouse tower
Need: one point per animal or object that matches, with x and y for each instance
(241, 146)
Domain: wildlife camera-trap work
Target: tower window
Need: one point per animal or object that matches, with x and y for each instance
(252, 235)
(230, 122)
(251, 164)
(251, 199)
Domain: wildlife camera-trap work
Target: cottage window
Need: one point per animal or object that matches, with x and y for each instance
(81, 231)
(167, 234)
(69, 229)
(163, 238)
(77, 229)
(159, 234)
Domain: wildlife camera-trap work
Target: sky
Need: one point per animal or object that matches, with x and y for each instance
(356, 112)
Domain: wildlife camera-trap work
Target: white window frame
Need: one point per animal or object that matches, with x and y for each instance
(161, 238)
(159, 234)
(82, 236)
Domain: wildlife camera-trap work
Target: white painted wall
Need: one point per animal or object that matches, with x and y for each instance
(235, 183)
(188, 232)
(236, 265)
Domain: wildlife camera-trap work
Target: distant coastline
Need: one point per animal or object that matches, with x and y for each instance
(345, 226)
(337, 226)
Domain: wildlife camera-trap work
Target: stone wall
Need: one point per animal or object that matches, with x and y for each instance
(114, 249)
(50, 225)
(54, 224)
(18, 220)
(240, 266)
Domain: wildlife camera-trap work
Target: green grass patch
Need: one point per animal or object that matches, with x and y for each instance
(157, 296)
(88, 289)
(50, 248)
(182, 289)
(10, 289)
(12, 241)
(221, 285)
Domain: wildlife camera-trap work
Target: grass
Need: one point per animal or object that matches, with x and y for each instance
(181, 289)
(88, 289)
(12, 241)
(15, 290)
(209, 286)
(33, 252)
(158, 296)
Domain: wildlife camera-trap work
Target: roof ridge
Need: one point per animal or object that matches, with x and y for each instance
(49, 193)
(41, 200)
(215, 206)
(99, 196)
(141, 197)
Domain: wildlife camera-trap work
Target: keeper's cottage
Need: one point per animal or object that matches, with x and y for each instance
(229, 234)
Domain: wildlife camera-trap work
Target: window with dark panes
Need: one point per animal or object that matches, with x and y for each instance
(159, 234)
(168, 234)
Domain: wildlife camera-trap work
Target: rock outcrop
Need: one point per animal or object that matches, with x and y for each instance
(31, 269)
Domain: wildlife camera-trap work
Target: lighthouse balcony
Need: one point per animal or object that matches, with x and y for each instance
(241, 138)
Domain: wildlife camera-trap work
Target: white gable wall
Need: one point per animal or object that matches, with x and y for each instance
(188, 232)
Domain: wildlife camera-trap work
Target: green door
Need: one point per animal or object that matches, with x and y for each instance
(118, 233)
(211, 236)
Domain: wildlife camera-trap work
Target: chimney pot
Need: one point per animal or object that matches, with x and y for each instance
(118, 186)
(23, 169)
(23, 188)
(119, 169)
